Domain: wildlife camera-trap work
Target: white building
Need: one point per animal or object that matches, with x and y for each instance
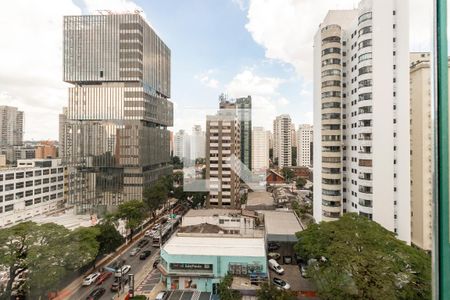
(11, 126)
(304, 141)
(181, 145)
(197, 141)
(34, 187)
(282, 141)
(260, 150)
(361, 115)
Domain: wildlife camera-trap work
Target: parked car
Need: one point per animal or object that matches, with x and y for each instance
(135, 251)
(145, 254)
(90, 279)
(115, 286)
(272, 246)
(274, 255)
(122, 271)
(162, 296)
(103, 277)
(303, 268)
(148, 233)
(143, 242)
(96, 294)
(280, 283)
(276, 267)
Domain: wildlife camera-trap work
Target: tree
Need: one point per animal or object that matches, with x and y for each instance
(225, 291)
(300, 183)
(355, 258)
(270, 292)
(177, 163)
(109, 238)
(288, 174)
(45, 253)
(155, 196)
(133, 212)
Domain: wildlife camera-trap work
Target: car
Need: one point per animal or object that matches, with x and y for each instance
(280, 283)
(96, 294)
(143, 242)
(303, 269)
(135, 251)
(90, 279)
(274, 255)
(103, 277)
(148, 233)
(122, 271)
(272, 246)
(145, 254)
(115, 286)
(162, 296)
(155, 263)
(276, 267)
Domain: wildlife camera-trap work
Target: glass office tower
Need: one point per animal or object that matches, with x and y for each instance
(116, 138)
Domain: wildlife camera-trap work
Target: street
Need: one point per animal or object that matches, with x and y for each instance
(136, 264)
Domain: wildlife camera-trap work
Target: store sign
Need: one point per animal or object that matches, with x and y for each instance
(183, 266)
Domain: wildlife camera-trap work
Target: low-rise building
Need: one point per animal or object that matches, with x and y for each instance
(34, 187)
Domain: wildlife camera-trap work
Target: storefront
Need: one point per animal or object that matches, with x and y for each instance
(200, 262)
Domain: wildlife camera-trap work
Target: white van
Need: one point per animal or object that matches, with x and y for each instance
(276, 267)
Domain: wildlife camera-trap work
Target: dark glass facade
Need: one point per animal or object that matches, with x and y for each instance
(116, 138)
(244, 106)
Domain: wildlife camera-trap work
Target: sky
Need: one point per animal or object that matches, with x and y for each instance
(261, 48)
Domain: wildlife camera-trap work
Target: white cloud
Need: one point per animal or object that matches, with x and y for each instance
(31, 61)
(240, 4)
(265, 96)
(206, 79)
(286, 28)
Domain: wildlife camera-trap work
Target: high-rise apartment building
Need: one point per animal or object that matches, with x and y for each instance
(62, 118)
(282, 141)
(198, 141)
(223, 165)
(421, 152)
(11, 126)
(117, 141)
(304, 141)
(244, 107)
(181, 145)
(361, 115)
(260, 150)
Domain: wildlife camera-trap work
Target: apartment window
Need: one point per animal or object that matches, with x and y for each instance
(9, 207)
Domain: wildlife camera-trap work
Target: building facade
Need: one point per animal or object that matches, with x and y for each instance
(361, 115)
(304, 140)
(198, 140)
(244, 107)
(45, 149)
(223, 163)
(421, 152)
(116, 137)
(282, 141)
(260, 150)
(32, 188)
(11, 126)
(181, 145)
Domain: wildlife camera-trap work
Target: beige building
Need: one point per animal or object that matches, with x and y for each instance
(223, 161)
(282, 141)
(421, 152)
(45, 149)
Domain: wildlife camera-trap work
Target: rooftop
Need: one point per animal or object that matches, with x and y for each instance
(211, 212)
(215, 246)
(283, 224)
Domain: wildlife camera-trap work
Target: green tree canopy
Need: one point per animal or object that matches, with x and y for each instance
(155, 196)
(288, 174)
(225, 291)
(109, 238)
(270, 292)
(133, 212)
(300, 183)
(45, 253)
(355, 258)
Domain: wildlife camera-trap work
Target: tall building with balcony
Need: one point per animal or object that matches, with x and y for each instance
(181, 144)
(304, 140)
(260, 150)
(282, 141)
(11, 126)
(223, 164)
(361, 115)
(116, 136)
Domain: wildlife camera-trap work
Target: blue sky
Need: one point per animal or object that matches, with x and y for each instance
(261, 48)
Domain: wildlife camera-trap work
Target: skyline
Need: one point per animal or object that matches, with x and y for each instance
(239, 47)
